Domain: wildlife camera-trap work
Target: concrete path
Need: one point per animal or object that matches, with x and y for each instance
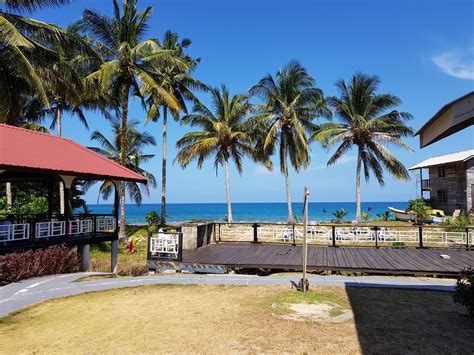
(21, 294)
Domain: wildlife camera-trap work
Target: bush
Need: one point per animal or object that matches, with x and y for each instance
(459, 223)
(33, 263)
(464, 291)
(420, 208)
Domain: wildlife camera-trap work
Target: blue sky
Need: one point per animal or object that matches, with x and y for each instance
(422, 50)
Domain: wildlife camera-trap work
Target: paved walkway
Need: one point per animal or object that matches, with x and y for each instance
(21, 294)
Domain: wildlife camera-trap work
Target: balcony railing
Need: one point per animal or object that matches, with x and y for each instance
(28, 229)
(425, 184)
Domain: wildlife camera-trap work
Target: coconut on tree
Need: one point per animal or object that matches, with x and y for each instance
(226, 135)
(291, 104)
(368, 123)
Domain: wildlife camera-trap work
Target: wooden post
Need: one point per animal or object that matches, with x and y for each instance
(467, 239)
(305, 242)
(255, 232)
(67, 214)
(50, 199)
(333, 227)
(376, 236)
(420, 236)
(293, 235)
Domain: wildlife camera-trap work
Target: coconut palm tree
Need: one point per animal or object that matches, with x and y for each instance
(368, 122)
(180, 84)
(26, 46)
(130, 61)
(226, 135)
(291, 104)
(134, 159)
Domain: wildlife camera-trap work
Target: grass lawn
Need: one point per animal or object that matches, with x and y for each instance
(128, 264)
(222, 319)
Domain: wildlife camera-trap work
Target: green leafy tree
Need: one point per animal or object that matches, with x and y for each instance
(129, 64)
(134, 159)
(291, 104)
(226, 135)
(368, 123)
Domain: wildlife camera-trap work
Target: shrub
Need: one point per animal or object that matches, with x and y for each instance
(460, 223)
(464, 291)
(33, 263)
(420, 208)
(339, 214)
(153, 219)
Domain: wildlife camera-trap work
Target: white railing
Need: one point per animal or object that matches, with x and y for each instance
(347, 235)
(10, 232)
(50, 229)
(80, 226)
(164, 244)
(104, 224)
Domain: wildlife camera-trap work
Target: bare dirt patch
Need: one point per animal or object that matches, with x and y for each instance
(318, 313)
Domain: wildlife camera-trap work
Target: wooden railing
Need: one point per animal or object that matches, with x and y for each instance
(167, 246)
(25, 227)
(425, 184)
(348, 235)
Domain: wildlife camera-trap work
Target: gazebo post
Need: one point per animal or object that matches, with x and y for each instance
(114, 249)
(50, 198)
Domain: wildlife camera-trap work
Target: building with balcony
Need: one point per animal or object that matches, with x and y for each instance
(46, 161)
(450, 182)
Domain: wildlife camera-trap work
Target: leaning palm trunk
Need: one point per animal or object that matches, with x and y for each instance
(57, 118)
(163, 170)
(123, 155)
(8, 192)
(288, 194)
(229, 205)
(359, 164)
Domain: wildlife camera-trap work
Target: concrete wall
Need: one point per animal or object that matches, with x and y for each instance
(196, 235)
(454, 183)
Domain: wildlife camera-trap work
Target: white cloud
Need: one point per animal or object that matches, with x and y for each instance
(345, 159)
(261, 170)
(457, 63)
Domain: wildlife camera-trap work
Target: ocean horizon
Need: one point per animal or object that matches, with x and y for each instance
(245, 211)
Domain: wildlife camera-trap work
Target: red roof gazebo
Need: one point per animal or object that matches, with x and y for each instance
(28, 156)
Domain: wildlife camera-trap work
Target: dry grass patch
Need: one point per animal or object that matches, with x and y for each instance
(223, 319)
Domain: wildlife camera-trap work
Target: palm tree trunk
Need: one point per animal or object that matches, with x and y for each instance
(8, 193)
(122, 234)
(227, 190)
(123, 155)
(291, 219)
(359, 165)
(163, 170)
(57, 119)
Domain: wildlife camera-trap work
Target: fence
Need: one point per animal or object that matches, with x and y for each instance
(166, 246)
(348, 235)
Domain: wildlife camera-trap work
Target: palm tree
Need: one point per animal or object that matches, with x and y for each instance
(136, 142)
(226, 135)
(368, 121)
(180, 84)
(291, 103)
(25, 47)
(130, 61)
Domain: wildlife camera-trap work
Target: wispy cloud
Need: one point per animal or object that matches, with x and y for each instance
(345, 159)
(457, 63)
(261, 170)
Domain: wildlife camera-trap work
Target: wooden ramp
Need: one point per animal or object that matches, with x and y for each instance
(376, 260)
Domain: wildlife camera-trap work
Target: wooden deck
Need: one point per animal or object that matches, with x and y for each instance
(376, 260)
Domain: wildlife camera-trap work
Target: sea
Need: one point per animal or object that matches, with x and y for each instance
(245, 212)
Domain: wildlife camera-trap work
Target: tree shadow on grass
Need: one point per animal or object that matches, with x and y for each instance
(409, 321)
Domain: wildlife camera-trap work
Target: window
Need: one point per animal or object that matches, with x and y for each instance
(441, 171)
(442, 195)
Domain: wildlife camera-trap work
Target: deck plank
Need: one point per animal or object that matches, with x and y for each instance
(287, 256)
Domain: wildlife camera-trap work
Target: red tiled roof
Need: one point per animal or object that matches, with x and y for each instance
(22, 149)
